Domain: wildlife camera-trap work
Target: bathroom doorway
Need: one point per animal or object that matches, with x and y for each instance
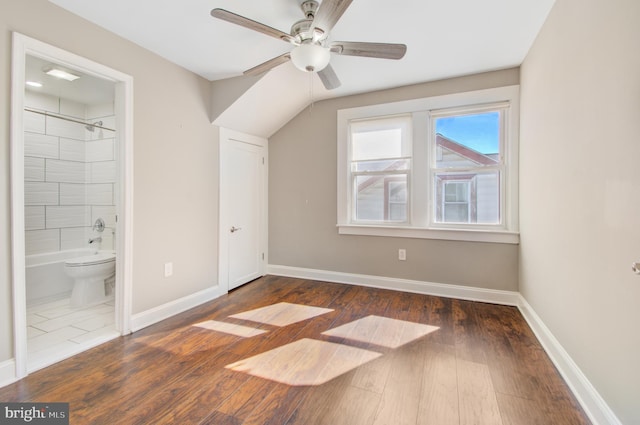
(71, 203)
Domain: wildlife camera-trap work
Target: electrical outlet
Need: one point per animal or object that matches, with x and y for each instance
(402, 254)
(168, 269)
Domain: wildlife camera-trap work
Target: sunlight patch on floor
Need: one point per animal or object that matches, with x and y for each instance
(230, 328)
(304, 362)
(309, 361)
(282, 314)
(391, 333)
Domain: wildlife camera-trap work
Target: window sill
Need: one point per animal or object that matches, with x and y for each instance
(491, 236)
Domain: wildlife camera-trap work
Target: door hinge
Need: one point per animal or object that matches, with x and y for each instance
(263, 160)
(263, 256)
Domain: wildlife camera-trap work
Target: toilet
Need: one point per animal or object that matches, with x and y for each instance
(89, 274)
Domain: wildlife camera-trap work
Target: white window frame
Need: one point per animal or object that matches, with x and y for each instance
(504, 109)
(422, 222)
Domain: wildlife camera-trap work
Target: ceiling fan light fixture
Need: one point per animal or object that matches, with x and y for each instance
(310, 57)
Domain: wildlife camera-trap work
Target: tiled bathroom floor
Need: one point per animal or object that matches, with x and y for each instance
(55, 330)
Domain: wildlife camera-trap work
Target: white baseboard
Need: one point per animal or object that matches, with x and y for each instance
(8, 372)
(594, 405)
(157, 314)
(428, 288)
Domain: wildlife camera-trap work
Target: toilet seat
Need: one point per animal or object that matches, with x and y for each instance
(90, 260)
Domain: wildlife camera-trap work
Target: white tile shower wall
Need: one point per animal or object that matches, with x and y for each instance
(33, 169)
(100, 150)
(72, 194)
(65, 171)
(64, 216)
(62, 128)
(34, 218)
(72, 150)
(100, 156)
(70, 174)
(41, 145)
(100, 194)
(40, 193)
(74, 237)
(103, 172)
(108, 214)
(34, 122)
(42, 241)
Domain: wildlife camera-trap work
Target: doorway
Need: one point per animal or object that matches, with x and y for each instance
(243, 217)
(71, 198)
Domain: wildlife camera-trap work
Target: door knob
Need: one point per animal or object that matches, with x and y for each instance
(235, 229)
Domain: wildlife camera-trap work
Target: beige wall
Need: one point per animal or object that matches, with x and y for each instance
(580, 197)
(302, 204)
(175, 158)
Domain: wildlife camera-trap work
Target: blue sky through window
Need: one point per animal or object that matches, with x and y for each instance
(479, 131)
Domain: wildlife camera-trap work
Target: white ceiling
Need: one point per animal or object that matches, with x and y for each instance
(445, 38)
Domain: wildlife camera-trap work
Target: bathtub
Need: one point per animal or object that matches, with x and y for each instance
(45, 275)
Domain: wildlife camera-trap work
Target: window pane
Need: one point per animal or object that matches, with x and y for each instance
(377, 144)
(381, 198)
(470, 197)
(456, 213)
(380, 138)
(468, 140)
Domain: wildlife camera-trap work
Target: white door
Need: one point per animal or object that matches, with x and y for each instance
(242, 208)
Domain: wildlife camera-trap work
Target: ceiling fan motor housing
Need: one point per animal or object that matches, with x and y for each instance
(309, 8)
(301, 30)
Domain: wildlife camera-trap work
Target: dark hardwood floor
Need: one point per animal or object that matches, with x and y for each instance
(481, 365)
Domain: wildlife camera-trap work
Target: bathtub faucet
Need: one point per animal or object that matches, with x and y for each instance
(98, 239)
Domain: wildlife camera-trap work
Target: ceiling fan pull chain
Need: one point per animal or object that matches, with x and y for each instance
(310, 91)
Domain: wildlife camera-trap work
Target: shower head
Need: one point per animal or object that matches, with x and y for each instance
(92, 127)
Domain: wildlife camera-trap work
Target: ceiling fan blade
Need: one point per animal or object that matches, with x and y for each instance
(329, 78)
(270, 64)
(328, 14)
(370, 50)
(225, 15)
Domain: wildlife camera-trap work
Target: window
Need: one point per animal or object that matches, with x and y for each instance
(443, 167)
(468, 164)
(380, 169)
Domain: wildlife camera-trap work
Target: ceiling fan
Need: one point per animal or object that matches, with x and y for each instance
(310, 38)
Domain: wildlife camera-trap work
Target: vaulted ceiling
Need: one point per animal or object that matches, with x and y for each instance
(445, 38)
